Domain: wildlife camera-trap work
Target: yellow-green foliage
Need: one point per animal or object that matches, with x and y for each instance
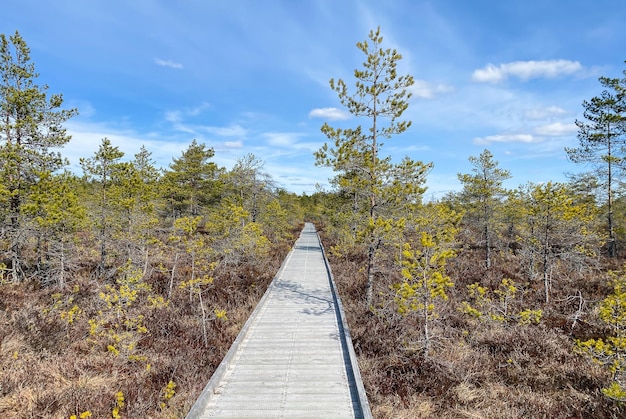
(479, 296)
(554, 216)
(506, 292)
(168, 393)
(423, 262)
(65, 307)
(118, 327)
(423, 270)
(276, 220)
(529, 316)
(615, 391)
(125, 293)
(252, 243)
(83, 415)
(220, 314)
(236, 237)
(197, 285)
(496, 306)
(3, 274)
(185, 234)
(119, 405)
(611, 351)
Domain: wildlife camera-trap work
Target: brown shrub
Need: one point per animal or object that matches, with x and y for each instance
(479, 369)
(50, 367)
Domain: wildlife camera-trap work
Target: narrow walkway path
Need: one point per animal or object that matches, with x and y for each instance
(293, 358)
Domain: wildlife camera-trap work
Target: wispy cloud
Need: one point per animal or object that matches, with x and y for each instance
(231, 131)
(168, 63)
(426, 90)
(556, 129)
(282, 139)
(176, 118)
(233, 144)
(544, 112)
(332, 114)
(180, 114)
(505, 138)
(182, 120)
(283, 144)
(87, 137)
(525, 70)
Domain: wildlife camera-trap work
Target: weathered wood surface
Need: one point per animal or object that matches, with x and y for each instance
(294, 357)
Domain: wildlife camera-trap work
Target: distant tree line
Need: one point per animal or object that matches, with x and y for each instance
(128, 209)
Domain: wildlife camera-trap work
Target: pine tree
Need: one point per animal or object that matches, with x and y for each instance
(57, 213)
(602, 142)
(135, 201)
(250, 183)
(102, 169)
(482, 193)
(556, 230)
(372, 184)
(191, 181)
(425, 280)
(30, 126)
(611, 351)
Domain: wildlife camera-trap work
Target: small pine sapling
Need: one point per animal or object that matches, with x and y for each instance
(611, 351)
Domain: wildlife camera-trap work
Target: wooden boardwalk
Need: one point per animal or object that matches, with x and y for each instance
(293, 357)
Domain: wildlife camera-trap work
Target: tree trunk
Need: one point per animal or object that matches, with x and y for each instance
(204, 331)
(546, 276)
(611, 246)
(173, 273)
(103, 230)
(369, 287)
(16, 258)
(425, 302)
(487, 246)
(62, 262)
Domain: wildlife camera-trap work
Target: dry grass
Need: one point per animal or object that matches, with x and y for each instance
(52, 369)
(477, 369)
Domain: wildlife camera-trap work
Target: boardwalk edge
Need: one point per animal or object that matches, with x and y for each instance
(198, 407)
(347, 340)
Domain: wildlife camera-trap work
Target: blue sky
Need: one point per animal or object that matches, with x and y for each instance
(250, 76)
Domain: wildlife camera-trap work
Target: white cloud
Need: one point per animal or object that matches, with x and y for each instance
(87, 138)
(282, 139)
(179, 114)
(332, 114)
(544, 113)
(176, 118)
(525, 70)
(505, 138)
(489, 74)
(179, 120)
(426, 90)
(233, 144)
(168, 63)
(173, 116)
(556, 129)
(231, 131)
(282, 144)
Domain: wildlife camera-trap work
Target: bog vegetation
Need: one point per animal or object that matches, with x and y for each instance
(122, 287)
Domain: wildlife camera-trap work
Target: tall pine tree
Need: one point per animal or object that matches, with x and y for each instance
(376, 185)
(602, 137)
(483, 192)
(30, 126)
(190, 181)
(102, 170)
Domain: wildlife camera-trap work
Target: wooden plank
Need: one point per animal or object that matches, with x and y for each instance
(292, 358)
